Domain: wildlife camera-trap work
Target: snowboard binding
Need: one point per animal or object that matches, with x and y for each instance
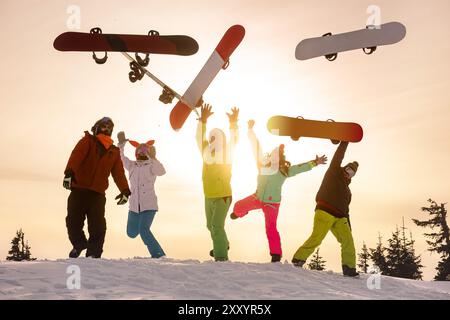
(370, 50)
(226, 64)
(167, 95)
(331, 56)
(332, 140)
(296, 138)
(144, 62)
(97, 60)
(136, 72)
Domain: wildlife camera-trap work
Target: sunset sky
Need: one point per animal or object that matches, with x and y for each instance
(399, 95)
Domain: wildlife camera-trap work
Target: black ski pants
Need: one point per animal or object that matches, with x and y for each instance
(84, 203)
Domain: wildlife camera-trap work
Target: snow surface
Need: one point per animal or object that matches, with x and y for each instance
(143, 278)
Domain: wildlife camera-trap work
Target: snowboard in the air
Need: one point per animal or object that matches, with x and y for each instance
(217, 61)
(368, 39)
(151, 43)
(299, 127)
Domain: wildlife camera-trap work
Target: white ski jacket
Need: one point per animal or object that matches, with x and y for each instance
(142, 176)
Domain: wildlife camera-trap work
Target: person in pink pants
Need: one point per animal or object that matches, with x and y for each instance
(242, 207)
(273, 170)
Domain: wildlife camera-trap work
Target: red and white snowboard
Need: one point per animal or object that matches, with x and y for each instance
(218, 60)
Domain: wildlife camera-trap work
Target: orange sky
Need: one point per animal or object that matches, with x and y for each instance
(399, 95)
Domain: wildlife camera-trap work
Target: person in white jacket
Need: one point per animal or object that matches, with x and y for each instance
(143, 203)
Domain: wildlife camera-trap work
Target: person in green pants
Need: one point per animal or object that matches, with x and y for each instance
(332, 213)
(217, 157)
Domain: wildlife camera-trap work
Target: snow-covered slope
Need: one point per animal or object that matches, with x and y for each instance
(192, 279)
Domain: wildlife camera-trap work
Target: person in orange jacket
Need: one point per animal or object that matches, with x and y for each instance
(92, 160)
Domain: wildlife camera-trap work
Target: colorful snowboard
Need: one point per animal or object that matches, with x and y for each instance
(299, 127)
(367, 39)
(153, 43)
(219, 58)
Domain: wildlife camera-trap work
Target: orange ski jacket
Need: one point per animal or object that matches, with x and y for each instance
(92, 164)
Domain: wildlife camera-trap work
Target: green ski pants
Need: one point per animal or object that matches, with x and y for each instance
(324, 222)
(216, 210)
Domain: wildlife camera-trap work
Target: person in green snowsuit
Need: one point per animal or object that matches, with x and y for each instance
(216, 175)
(332, 213)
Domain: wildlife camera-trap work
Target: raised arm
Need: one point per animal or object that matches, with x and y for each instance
(200, 136)
(121, 144)
(303, 167)
(339, 155)
(126, 162)
(234, 131)
(256, 147)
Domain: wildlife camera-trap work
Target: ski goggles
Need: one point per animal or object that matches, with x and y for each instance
(350, 172)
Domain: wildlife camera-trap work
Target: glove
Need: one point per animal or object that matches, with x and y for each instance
(69, 177)
(121, 138)
(123, 197)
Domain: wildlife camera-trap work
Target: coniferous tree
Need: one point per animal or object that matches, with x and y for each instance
(20, 250)
(378, 257)
(440, 241)
(14, 253)
(411, 263)
(393, 254)
(317, 262)
(27, 252)
(364, 258)
(401, 259)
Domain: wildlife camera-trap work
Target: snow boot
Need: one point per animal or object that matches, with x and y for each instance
(220, 259)
(211, 253)
(349, 272)
(276, 257)
(298, 263)
(158, 255)
(75, 253)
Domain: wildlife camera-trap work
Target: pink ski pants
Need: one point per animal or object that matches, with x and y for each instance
(242, 207)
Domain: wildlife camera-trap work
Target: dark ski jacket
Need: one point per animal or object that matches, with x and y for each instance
(334, 194)
(92, 164)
